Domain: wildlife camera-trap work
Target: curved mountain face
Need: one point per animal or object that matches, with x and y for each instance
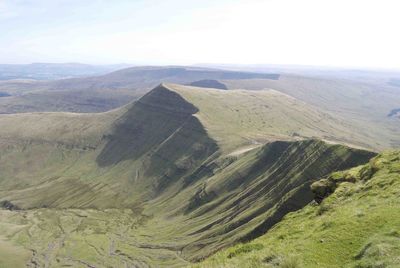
(153, 183)
(354, 224)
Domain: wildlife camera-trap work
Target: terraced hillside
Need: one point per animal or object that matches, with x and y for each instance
(356, 226)
(164, 181)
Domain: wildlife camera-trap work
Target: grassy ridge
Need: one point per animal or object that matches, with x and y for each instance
(363, 103)
(138, 143)
(245, 118)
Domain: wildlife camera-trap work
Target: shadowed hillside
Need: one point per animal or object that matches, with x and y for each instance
(354, 224)
(151, 120)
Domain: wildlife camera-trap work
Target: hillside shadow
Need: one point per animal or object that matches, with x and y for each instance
(161, 125)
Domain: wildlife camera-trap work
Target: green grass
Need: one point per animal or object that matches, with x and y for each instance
(356, 226)
(12, 255)
(362, 103)
(240, 118)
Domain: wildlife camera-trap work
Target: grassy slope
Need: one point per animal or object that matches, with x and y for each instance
(365, 103)
(357, 226)
(151, 164)
(248, 118)
(348, 97)
(8, 249)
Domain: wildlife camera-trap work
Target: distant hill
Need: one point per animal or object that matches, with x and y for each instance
(105, 92)
(208, 83)
(364, 103)
(50, 71)
(139, 77)
(166, 180)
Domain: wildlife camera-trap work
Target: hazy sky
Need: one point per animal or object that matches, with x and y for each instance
(356, 33)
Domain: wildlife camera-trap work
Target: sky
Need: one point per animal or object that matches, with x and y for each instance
(340, 33)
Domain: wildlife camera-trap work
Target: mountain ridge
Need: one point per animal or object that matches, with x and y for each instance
(156, 175)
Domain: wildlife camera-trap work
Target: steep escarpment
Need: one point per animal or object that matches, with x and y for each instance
(356, 225)
(161, 135)
(247, 197)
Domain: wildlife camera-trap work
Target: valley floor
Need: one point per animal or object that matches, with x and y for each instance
(80, 238)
